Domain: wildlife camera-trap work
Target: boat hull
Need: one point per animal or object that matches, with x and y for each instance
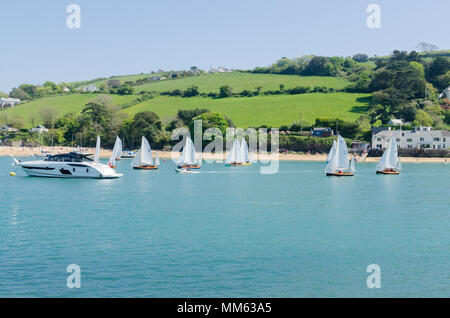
(342, 174)
(190, 167)
(178, 170)
(388, 172)
(146, 168)
(79, 170)
(237, 164)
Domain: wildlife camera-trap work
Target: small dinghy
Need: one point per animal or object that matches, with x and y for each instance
(337, 160)
(390, 162)
(188, 158)
(144, 157)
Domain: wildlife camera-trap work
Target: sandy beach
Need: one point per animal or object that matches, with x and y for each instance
(105, 153)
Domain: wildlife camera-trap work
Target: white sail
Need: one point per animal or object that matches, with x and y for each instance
(97, 149)
(234, 154)
(389, 158)
(157, 159)
(331, 162)
(352, 164)
(120, 149)
(137, 159)
(188, 153)
(146, 153)
(244, 151)
(338, 156)
(399, 164)
(342, 154)
(332, 150)
(115, 152)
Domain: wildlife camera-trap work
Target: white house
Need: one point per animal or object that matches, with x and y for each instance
(445, 93)
(66, 89)
(394, 121)
(39, 129)
(91, 88)
(9, 102)
(418, 137)
(8, 128)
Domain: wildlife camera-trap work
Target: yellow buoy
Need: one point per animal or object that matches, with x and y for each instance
(12, 173)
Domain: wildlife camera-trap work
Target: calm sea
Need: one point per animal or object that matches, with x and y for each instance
(227, 232)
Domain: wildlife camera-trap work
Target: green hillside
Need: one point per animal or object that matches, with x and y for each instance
(240, 81)
(63, 104)
(275, 110)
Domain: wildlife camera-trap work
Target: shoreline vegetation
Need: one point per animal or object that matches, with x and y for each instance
(106, 153)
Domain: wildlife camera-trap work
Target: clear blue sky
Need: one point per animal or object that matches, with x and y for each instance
(124, 37)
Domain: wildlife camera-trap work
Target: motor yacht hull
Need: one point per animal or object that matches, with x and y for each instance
(68, 170)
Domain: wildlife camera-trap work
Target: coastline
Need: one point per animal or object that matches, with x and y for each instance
(106, 153)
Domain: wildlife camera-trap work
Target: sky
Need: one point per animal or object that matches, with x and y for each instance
(119, 37)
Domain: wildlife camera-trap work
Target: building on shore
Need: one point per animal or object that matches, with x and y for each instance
(9, 102)
(417, 138)
(8, 128)
(39, 129)
(322, 132)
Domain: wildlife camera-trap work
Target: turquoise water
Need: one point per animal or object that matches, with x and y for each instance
(227, 232)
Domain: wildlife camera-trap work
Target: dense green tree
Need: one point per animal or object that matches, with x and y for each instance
(49, 115)
(423, 119)
(149, 125)
(191, 91)
(360, 57)
(19, 93)
(225, 91)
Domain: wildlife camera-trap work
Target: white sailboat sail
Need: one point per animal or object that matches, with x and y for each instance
(352, 164)
(234, 154)
(157, 159)
(338, 157)
(188, 154)
(333, 148)
(146, 153)
(137, 159)
(97, 149)
(116, 152)
(244, 151)
(144, 156)
(399, 164)
(389, 159)
(342, 154)
(330, 168)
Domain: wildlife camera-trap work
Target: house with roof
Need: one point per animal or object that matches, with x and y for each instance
(396, 122)
(445, 93)
(6, 102)
(39, 129)
(322, 132)
(417, 138)
(90, 89)
(8, 128)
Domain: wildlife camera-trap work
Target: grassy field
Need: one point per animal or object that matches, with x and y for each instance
(63, 104)
(275, 110)
(241, 81)
(122, 78)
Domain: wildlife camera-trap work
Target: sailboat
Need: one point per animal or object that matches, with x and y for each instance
(116, 153)
(333, 149)
(244, 153)
(338, 160)
(144, 157)
(238, 155)
(390, 162)
(188, 157)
